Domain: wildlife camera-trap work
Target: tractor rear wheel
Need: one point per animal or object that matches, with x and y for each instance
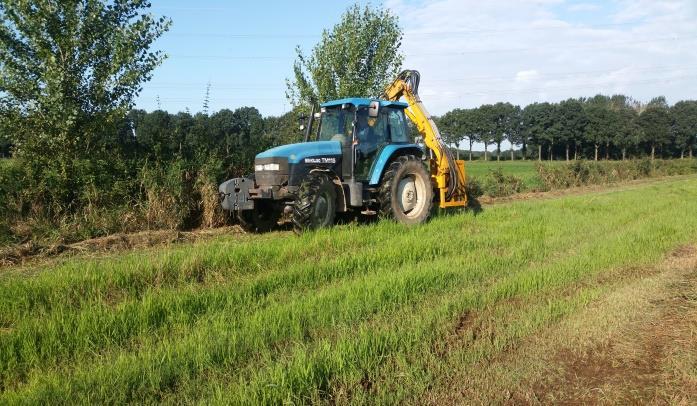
(263, 218)
(406, 194)
(315, 205)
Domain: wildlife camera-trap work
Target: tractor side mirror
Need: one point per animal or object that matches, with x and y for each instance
(374, 109)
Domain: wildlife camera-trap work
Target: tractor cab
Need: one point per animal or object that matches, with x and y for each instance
(363, 127)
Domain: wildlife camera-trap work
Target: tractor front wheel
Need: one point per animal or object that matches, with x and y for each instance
(263, 218)
(315, 205)
(406, 193)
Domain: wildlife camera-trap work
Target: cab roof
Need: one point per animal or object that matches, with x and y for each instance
(359, 102)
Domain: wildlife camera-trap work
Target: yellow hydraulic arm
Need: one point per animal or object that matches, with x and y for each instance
(448, 174)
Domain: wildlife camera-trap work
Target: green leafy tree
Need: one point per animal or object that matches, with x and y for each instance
(602, 123)
(283, 129)
(181, 124)
(469, 129)
(655, 121)
(552, 133)
(486, 118)
(538, 120)
(72, 69)
(6, 121)
(572, 122)
(503, 116)
(154, 135)
(5, 145)
(685, 126)
(514, 133)
(358, 57)
(627, 132)
(450, 128)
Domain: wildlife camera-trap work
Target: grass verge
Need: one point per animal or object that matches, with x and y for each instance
(346, 315)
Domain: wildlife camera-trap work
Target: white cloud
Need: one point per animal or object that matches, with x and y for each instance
(474, 52)
(526, 76)
(583, 7)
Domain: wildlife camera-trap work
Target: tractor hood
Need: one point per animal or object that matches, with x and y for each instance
(296, 153)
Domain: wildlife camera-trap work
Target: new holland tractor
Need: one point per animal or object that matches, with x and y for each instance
(361, 158)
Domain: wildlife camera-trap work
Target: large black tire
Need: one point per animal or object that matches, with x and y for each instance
(263, 218)
(406, 193)
(315, 205)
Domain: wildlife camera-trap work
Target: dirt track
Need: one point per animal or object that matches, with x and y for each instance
(650, 360)
(636, 344)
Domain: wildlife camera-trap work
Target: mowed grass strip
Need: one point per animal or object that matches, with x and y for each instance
(380, 294)
(167, 307)
(525, 170)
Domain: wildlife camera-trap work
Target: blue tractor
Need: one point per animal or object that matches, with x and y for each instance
(361, 159)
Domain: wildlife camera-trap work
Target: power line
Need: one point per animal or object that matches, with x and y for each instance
(570, 75)
(489, 78)
(600, 46)
(420, 33)
(581, 86)
(585, 85)
(542, 47)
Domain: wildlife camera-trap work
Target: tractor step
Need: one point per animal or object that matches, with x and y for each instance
(369, 212)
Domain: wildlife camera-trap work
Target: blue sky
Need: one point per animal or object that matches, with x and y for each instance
(469, 52)
(245, 49)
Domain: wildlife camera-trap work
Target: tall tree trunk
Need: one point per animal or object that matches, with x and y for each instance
(512, 154)
(607, 151)
(471, 142)
(498, 151)
(682, 154)
(567, 152)
(596, 152)
(551, 151)
(539, 152)
(486, 152)
(575, 152)
(524, 151)
(457, 152)
(624, 154)
(653, 151)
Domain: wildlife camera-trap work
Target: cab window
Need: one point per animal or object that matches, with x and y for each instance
(336, 124)
(397, 125)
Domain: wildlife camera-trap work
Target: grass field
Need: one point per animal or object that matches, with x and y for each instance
(356, 314)
(525, 170)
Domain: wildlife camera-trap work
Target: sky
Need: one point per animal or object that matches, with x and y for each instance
(469, 52)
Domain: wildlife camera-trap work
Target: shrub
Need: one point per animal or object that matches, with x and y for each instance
(581, 173)
(498, 184)
(10, 203)
(474, 188)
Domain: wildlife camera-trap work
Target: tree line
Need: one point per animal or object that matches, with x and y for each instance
(230, 137)
(610, 127)
(86, 160)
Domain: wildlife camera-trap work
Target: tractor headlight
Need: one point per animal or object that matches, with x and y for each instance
(267, 167)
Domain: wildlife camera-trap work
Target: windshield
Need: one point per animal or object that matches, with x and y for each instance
(336, 125)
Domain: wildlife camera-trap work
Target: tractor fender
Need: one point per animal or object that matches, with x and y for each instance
(341, 198)
(388, 154)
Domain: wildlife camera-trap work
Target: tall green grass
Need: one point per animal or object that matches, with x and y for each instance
(525, 171)
(499, 179)
(351, 314)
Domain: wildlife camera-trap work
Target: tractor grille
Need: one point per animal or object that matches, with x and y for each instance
(271, 177)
